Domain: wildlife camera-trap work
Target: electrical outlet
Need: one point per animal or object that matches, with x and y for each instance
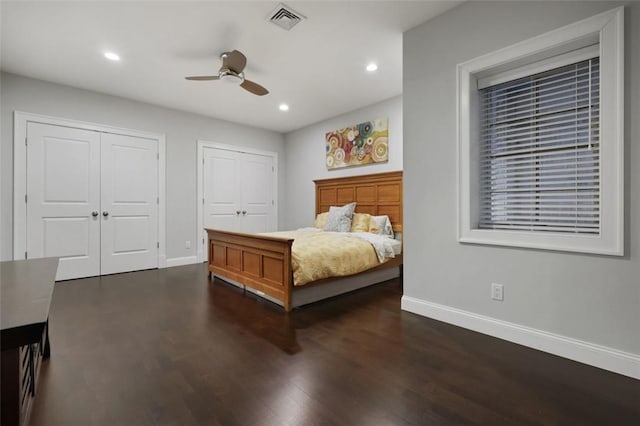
(187, 244)
(497, 292)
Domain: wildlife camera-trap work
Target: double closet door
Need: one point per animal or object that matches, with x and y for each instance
(92, 200)
(238, 191)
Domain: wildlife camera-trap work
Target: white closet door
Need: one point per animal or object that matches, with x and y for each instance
(63, 188)
(257, 194)
(222, 198)
(129, 203)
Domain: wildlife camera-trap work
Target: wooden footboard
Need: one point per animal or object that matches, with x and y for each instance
(259, 262)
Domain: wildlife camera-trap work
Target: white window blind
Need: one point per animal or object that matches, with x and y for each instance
(539, 155)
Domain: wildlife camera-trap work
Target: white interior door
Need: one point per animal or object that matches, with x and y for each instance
(129, 203)
(222, 201)
(258, 209)
(63, 190)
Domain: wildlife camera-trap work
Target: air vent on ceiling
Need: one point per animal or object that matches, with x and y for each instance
(285, 17)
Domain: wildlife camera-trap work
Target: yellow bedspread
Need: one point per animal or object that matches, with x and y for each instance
(317, 255)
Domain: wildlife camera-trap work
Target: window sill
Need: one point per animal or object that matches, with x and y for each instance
(589, 244)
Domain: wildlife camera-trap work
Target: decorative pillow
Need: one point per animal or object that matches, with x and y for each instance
(321, 220)
(340, 218)
(381, 225)
(360, 222)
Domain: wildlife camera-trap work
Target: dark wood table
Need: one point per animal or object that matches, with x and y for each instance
(26, 287)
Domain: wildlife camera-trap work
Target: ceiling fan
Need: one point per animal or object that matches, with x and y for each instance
(233, 64)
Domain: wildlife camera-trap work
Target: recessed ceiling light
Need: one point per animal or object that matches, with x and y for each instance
(372, 67)
(111, 56)
(284, 107)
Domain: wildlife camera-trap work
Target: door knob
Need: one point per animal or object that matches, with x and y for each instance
(244, 212)
(94, 214)
(237, 212)
(105, 213)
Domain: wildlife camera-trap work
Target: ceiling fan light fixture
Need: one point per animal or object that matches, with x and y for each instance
(231, 77)
(284, 107)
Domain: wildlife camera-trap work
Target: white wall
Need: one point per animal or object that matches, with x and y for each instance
(182, 130)
(305, 150)
(590, 298)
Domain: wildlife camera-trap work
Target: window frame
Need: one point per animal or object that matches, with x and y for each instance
(605, 29)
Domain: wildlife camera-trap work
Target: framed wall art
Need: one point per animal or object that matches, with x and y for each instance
(359, 145)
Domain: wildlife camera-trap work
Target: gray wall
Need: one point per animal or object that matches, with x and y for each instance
(587, 297)
(182, 130)
(306, 157)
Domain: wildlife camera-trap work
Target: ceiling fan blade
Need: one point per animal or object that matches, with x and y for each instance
(203, 78)
(254, 88)
(234, 61)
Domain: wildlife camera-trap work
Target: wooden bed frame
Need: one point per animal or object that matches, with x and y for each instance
(263, 263)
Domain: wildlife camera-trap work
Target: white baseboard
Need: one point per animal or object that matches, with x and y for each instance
(588, 353)
(179, 261)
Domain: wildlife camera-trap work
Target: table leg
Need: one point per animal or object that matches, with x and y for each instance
(47, 347)
(10, 389)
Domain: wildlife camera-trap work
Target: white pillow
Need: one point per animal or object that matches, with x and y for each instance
(340, 218)
(381, 225)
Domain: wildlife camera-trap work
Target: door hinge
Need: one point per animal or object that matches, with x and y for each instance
(25, 255)
(157, 200)
(273, 169)
(203, 201)
(158, 244)
(203, 161)
(158, 155)
(203, 241)
(273, 203)
(25, 141)
(25, 198)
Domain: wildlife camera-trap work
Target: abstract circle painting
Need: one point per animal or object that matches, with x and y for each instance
(358, 145)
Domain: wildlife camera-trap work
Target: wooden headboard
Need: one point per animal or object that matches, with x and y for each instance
(376, 194)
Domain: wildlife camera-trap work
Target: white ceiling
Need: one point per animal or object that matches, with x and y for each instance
(318, 67)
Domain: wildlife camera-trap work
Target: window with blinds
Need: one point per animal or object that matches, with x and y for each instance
(540, 152)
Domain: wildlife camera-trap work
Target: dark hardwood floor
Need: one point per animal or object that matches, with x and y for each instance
(167, 347)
